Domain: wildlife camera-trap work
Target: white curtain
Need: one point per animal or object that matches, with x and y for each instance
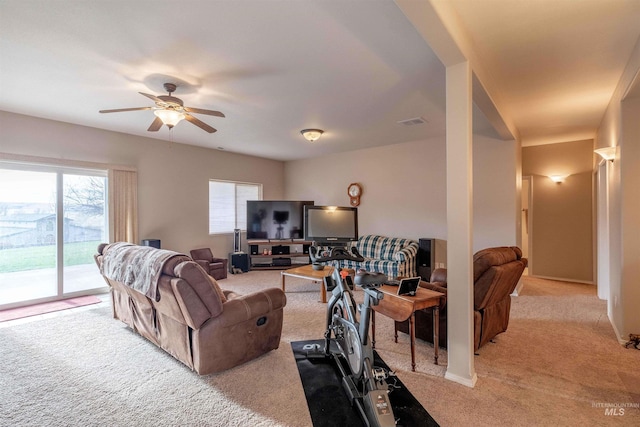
(123, 205)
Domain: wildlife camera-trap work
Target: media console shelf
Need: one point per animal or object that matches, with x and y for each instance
(277, 254)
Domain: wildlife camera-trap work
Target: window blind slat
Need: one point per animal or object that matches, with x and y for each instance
(228, 205)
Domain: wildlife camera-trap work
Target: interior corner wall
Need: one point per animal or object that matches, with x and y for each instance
(173, 178)
(629, 213)
(618, 131)
(404, 188)
(495, 193)
(562, 215)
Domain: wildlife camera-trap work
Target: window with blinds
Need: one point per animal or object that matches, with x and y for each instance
(228, 204)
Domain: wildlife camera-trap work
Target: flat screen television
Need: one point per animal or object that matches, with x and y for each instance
(330, 225)
(275, 219)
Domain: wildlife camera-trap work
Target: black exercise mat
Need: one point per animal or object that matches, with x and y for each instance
(328, 402)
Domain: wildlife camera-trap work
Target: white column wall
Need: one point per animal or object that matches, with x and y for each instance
(461, 367)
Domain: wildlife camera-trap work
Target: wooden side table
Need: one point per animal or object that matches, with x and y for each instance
(307, 272)
(403, 307)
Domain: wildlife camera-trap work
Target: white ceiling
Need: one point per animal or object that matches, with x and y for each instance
(554, 63)
(352, 68)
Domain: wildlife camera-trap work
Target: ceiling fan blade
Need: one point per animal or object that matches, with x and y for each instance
(153, 97)
(156, 125)
(118, 110)
(201, 111)
(199, 123)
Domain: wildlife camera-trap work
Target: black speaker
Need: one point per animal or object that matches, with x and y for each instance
(236, 240)
(154, 243)
(280, 250)
(426, 257)
(240, 261)
(305, 249)
(253, 249)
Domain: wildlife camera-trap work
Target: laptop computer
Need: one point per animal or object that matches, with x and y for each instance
(408, 286)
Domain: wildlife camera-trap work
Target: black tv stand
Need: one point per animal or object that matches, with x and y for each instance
(277, 254)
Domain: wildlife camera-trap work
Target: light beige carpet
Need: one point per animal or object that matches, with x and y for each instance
(557, 362)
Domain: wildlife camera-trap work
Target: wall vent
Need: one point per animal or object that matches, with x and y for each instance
(412, 122)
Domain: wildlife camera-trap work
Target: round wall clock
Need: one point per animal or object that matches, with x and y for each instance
(354, 190)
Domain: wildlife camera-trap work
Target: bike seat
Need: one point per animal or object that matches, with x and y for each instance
(368, 279)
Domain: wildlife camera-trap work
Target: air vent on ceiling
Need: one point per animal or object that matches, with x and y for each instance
(412, 122)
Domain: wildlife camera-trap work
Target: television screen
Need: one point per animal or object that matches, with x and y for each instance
(275, 219)
(328, 225)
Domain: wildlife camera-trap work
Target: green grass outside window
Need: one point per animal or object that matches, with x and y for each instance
(37, 257)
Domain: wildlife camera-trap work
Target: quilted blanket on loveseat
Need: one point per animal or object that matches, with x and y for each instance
(392, 256)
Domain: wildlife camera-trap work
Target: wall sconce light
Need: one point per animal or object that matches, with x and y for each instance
(558, 178)
(607, 153)
(311, 135)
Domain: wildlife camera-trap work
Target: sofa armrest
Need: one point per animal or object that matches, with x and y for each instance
(222, 260)
(230, 294)
(439, 276)
(406, 253)
(203, 263)
(242, 308)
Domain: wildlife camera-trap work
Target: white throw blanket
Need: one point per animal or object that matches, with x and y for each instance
(138, 267)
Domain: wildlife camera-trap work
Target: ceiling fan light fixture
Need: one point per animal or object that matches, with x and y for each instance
(169, 117)
(311, 135)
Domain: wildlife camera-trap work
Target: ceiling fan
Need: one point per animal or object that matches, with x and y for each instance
(169, 110)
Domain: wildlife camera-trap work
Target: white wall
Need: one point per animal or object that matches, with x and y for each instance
(630, 210)
(496, 203)
(404, 188)
(172, 178)
(561, 214)
(620, 129)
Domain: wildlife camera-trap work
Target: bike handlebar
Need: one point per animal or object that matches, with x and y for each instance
(336, 254)
(363, 278)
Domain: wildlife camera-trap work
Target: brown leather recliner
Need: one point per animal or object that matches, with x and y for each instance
(206, 328)
(215, 267)
(496, 272)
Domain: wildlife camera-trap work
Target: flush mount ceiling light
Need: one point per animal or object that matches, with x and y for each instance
(311, 135)
(607, 153)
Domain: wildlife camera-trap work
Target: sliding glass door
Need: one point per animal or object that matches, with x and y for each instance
(84, 228)
(51, 221)
(27, 235)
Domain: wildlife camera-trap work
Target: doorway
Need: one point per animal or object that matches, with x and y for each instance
(603, 257)
(526, 221)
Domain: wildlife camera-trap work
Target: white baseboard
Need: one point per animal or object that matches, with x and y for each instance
(469, 382)
(516, 291)
(563, 279)
(615, 331)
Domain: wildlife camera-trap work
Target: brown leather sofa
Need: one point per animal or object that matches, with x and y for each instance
(496, 272)
(191, 318)
(215, 267)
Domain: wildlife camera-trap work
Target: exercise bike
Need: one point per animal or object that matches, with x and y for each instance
(363, 382)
